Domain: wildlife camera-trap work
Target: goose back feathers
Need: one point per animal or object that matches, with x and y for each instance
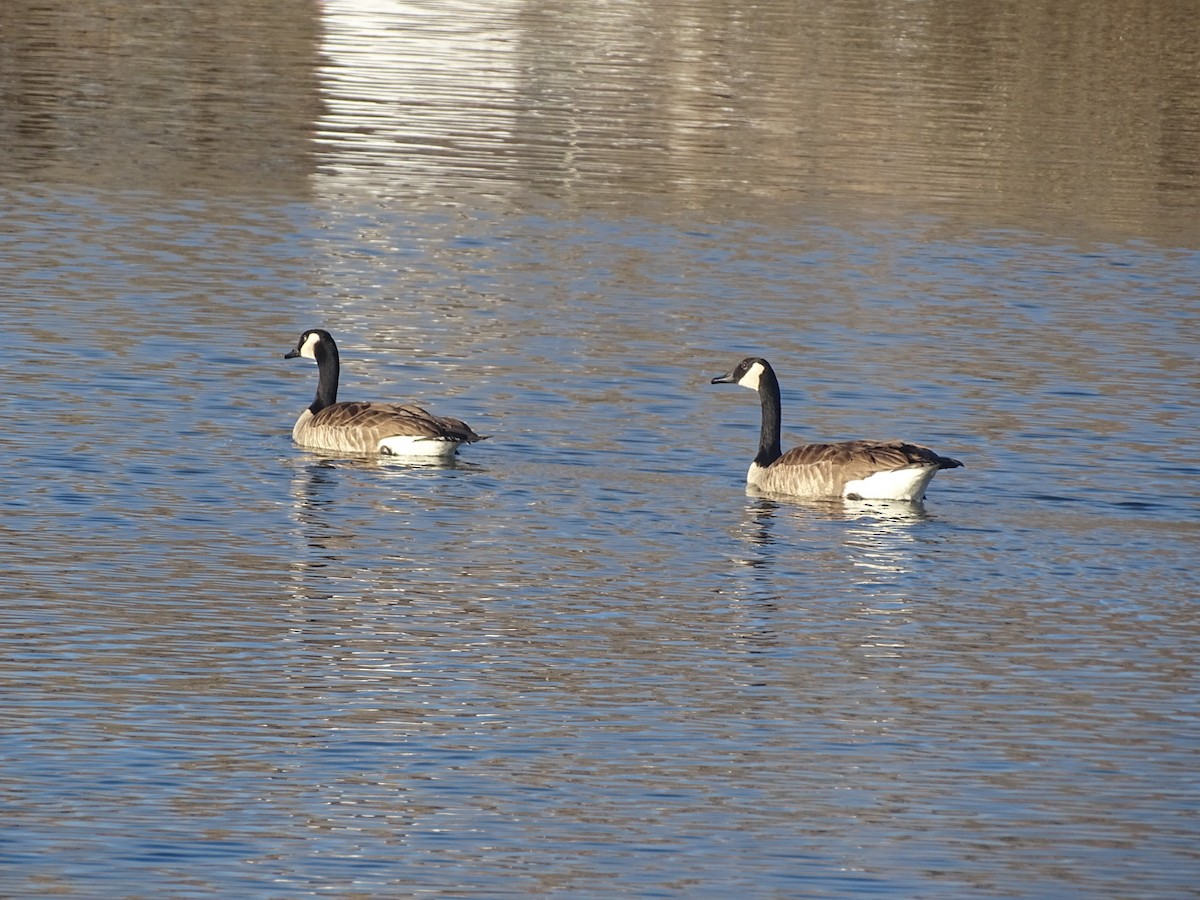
(364, 428)
(861, 470)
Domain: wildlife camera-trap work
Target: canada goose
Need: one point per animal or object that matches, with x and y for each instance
(855, 470)
(363, 429)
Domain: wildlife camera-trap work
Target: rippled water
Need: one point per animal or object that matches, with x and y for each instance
(583, 661)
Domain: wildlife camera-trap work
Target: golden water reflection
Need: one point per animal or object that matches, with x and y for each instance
(1027, 106)
(1036, 111)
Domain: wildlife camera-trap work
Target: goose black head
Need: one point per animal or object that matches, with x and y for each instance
(313, 344)
(748, 373)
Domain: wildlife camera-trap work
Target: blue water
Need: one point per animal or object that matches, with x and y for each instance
(582, 661)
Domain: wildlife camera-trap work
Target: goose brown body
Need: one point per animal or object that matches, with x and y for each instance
(364, 429)
(885, 470)
(841, 469)
(368, 428)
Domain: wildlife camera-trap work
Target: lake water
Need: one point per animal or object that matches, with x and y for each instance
(583, 661)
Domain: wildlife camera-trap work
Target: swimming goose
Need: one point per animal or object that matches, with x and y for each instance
(364, 429)
(855, 470)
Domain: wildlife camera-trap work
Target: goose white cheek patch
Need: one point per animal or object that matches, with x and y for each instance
(752, 376)
(309, 349)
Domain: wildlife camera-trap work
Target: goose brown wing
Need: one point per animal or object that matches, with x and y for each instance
(859, 459)
(384, 420)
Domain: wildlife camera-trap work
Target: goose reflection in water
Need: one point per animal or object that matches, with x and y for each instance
(339, 503)
(861, 552)
(881, 529)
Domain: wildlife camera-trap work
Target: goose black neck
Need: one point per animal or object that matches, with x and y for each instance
(329, 367)
(768, 441)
